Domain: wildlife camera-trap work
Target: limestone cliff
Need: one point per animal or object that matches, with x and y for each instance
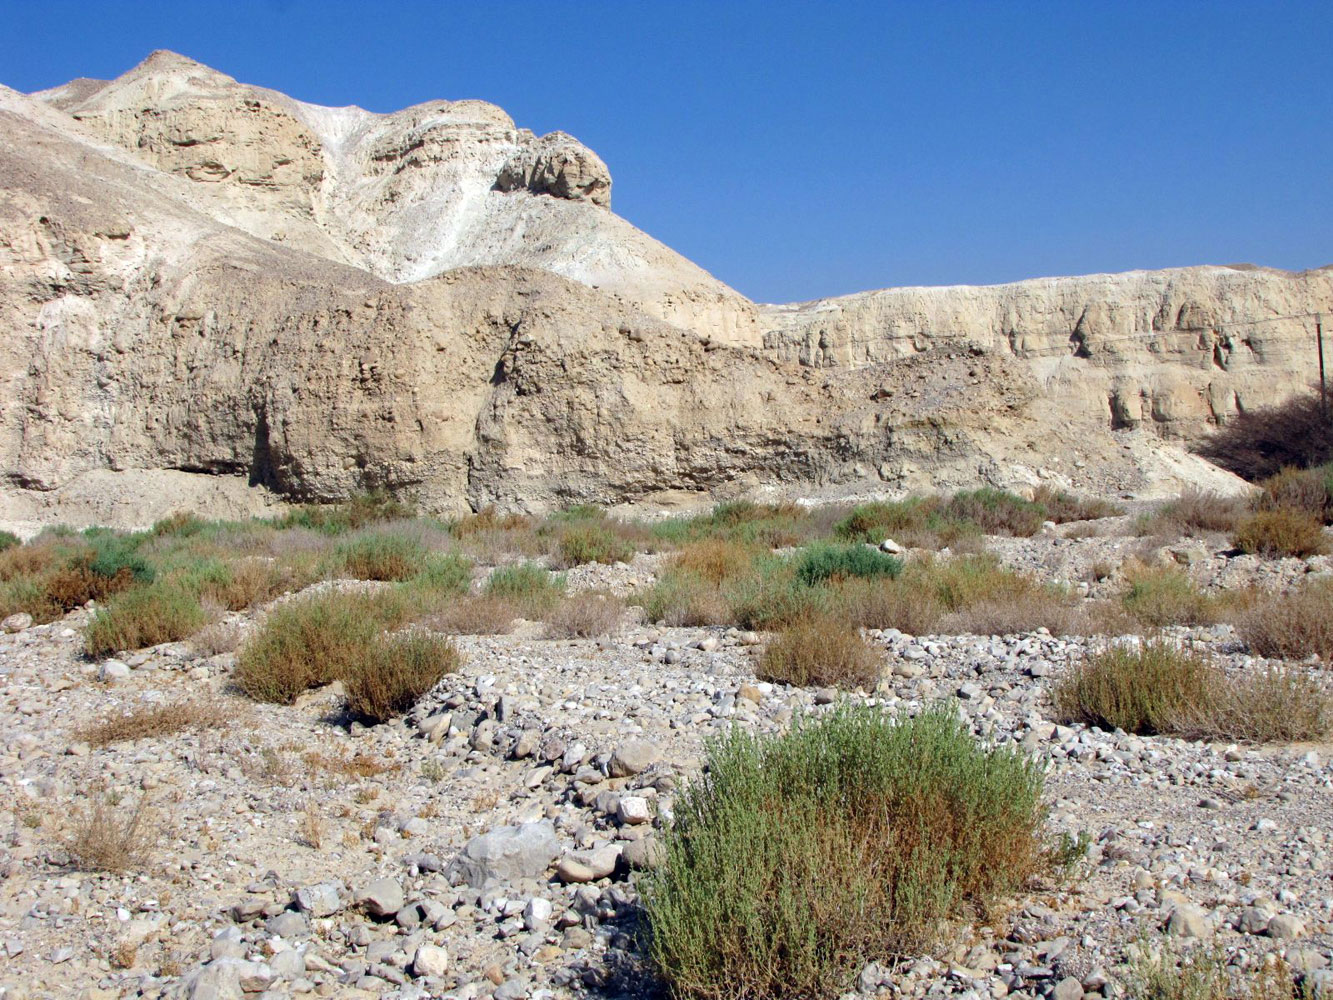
(205, 279)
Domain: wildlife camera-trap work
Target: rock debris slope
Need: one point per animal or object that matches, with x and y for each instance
(203, 278)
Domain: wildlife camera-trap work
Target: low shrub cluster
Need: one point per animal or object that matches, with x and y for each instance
(533, 590)
(145, 721)
(585, 615)
(1283, 532)
(1291, 626)
(820, 651)
(313, 641)
(360, 511)
(1165, 595)
(799, 858)
(1155, 688)
(822, 562)
(768, 526)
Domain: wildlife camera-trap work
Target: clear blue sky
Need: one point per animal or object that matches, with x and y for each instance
(806, 149)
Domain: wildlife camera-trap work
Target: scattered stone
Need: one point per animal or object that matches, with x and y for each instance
(380, 898)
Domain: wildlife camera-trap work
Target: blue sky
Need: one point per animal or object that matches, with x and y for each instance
(805, 149)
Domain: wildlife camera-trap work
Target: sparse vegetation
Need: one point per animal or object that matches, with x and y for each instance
(155, 721)
(1309, 491)
(106, 837)
(820, 651)
(1157, 689)
(1165, 595)
(1291, 626)
(854, 837)
(586, 614)
(475, 614)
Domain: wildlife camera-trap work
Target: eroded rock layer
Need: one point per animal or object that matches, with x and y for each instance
(201, 276)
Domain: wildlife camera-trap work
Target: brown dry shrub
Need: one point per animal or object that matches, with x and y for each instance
(715, 560)
(1277, 533)
(1291, 626)
(358, 765)
(144, 721)
(684, 600)
(1199, 511)
(820, 651)
(1165, 595)
(886, 604)
(393, 673)
(1308, 490)
(1062, 507)
(106, 838)
(250, 582)
(586, 614)
(220, 637)
(475, 614)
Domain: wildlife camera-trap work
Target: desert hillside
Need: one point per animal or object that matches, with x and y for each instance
(218, 296)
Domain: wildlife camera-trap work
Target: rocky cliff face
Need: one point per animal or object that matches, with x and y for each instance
(200, 279)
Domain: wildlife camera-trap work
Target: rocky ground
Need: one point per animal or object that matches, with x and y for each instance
(486, 844)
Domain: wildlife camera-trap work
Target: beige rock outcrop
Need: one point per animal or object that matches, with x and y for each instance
(201, 279)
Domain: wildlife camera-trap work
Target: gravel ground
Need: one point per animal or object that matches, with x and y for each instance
(484, 845)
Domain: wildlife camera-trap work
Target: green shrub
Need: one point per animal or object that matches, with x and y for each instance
(996, 512)
(820, 562)
(771, 596)
(181, 525)
(533, 589)
(9, 540)
(144, 616)
(766, 525)
(380, 555)
(309, 642)
(396, 671)
(591, 541)
(113, 553)
(357, 512)
(442, 575)
(873, 522)
(1278, 533)
(1158, 689)
(1158, 596)
(854, 837)
(820, 651)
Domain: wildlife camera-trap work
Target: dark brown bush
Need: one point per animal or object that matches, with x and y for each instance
(1278, 533)
(820, 651)
(1257, 444)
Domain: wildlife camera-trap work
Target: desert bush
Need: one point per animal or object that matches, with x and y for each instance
(1307, 490)
(113, 554)
(801, 857)
(534, 590)
(1165, 595)
(1277, 533)
(681, 598)
(145, 721)
(105, 838)
(309, 642)
(768, 526)
(882, 604)
(474, 614)
(1161, 971)
(820, 651)
(715, 560)
(245, 583)
(356, 512)
(590, 541)
(1155, 688)
(873, 522)
(379, 555)
(1197, 511)
(144, 616)
(441, 575)
(489, 519)
(1256, 444)
(1062, 507)
(9, 540)
(996, 512)
(821, 561)
(1291, 626)
(395, 671)
(181, 524)
(586, 614)
(772, 596)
